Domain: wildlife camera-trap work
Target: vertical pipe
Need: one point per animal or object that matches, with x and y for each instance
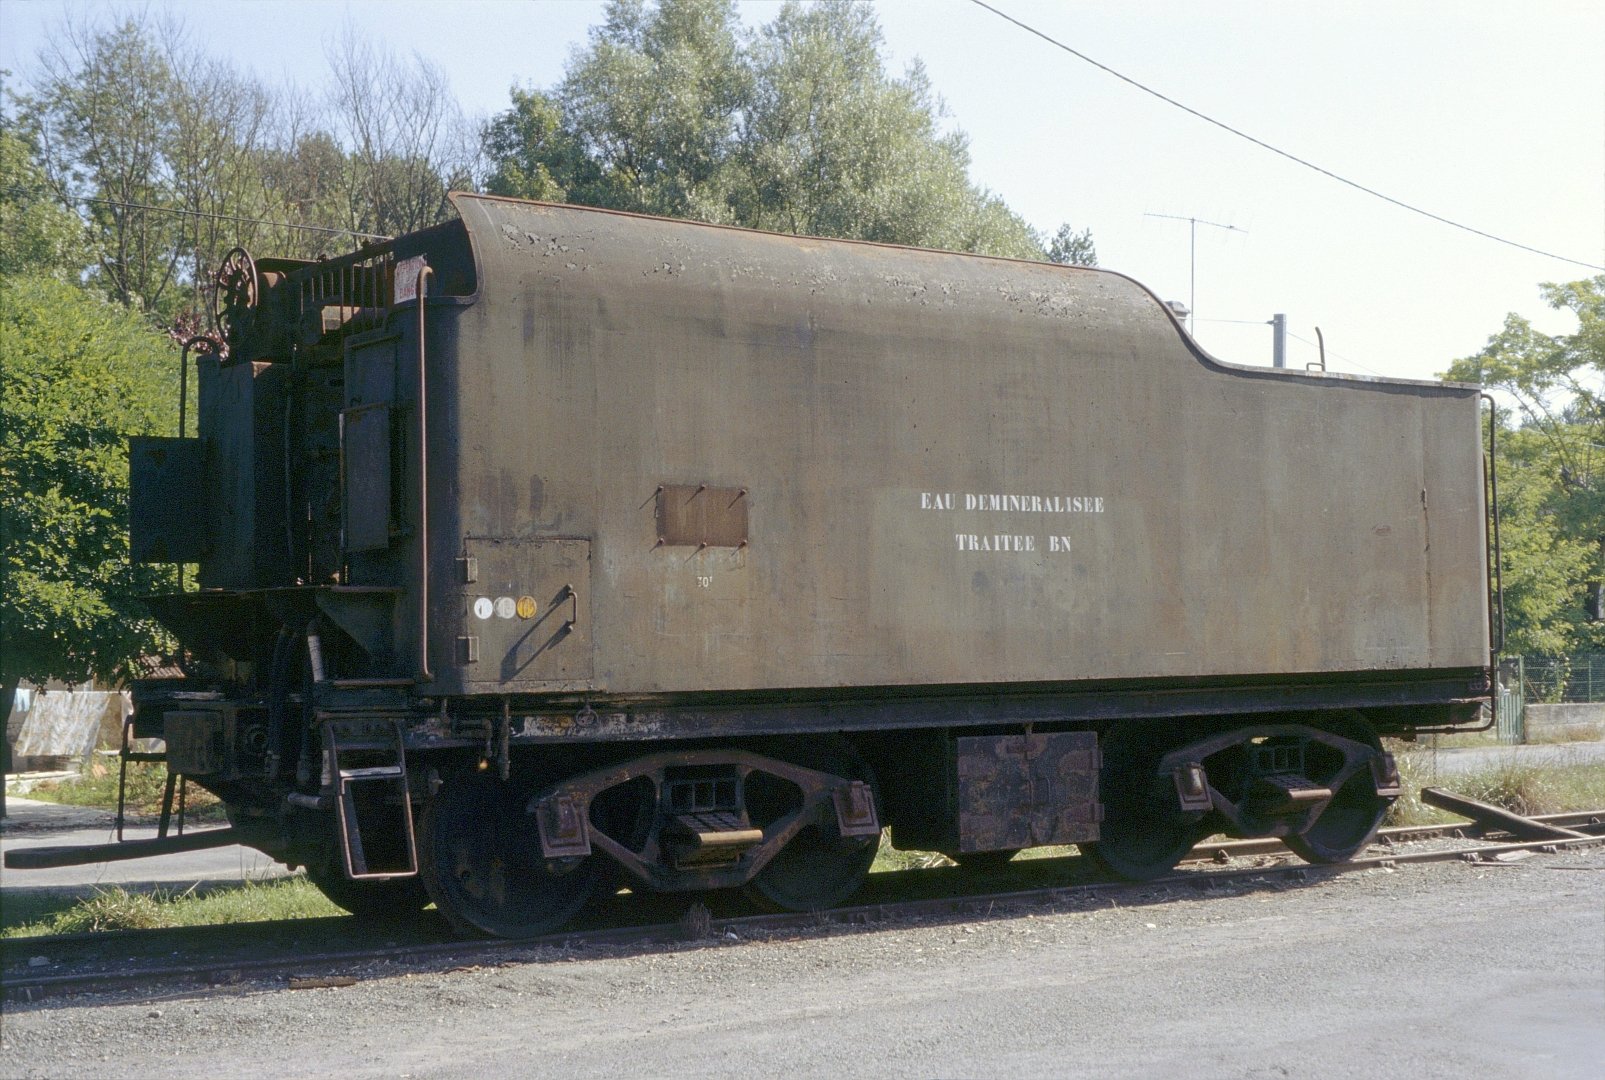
(1279, 341)
(424, 674)
(183, 402)
(1496, 627)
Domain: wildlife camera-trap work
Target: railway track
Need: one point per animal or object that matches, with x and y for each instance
(82, 962)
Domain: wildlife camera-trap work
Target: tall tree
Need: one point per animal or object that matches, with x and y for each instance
(219, 129)
(532, 154)
(673, 109)
(77, 374)
(38, 236)
(406, 140)
(1552, 470)
(653, 102)
(1071, 248)
(101, 114)
(161, 148)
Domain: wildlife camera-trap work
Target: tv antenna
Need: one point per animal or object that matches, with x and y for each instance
(1192, 257)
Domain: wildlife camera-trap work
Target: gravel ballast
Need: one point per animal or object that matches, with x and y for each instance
(1440, 970)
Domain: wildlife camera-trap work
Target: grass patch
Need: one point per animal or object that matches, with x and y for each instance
(147, 780)
(1523, 789)
(889, 859)
(118, 909)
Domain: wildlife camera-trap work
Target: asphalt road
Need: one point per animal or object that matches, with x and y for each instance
(1461, 760)
(32, 823)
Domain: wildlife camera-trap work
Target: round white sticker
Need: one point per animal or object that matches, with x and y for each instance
(484, 607)
(506, 607)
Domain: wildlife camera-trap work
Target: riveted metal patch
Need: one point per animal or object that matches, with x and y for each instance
(701, 516)
(1019, 791)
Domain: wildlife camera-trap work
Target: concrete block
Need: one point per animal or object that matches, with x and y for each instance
(1564, 723)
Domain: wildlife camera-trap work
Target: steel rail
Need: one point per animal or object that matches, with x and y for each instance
(1224, 850)
(1221, 851)
(175, 979)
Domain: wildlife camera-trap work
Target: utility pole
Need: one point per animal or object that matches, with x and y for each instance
(1192, 257)
(1279, 341)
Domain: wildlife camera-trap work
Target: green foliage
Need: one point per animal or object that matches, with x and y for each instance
(109, 909)
(533, 155)
(1551, 470)
(1071, 248)
(76, 375)
(37, 234)
(1547, 566)
(653, 103)
(672, 109)
(175, 157)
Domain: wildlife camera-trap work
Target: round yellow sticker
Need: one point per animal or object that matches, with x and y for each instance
(526, 607)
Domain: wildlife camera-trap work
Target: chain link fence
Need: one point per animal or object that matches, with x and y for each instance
(1545, 680)
(1558, 680)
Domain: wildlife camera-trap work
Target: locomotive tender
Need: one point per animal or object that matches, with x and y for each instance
(554, 549)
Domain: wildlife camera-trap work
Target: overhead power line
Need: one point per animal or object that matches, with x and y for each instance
(218, 217)
(1277, 150)
(236, 218)
(1336, 355)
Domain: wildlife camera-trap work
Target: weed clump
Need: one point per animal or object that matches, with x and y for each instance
(109, 909)
(118, 909)
(1523, 789)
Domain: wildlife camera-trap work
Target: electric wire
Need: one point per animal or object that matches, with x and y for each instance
(1337, 355)
(329, 230)
(1278, 151)
(234, 218)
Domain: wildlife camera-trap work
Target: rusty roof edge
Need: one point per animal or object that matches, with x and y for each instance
(459, 198)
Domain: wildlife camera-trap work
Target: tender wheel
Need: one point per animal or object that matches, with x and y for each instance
(480, 859)
(983, 861)
(1144, 833)
(386, 900)
(1351, 819)
(819, 868)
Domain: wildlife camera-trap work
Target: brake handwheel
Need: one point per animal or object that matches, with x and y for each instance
(237, 291)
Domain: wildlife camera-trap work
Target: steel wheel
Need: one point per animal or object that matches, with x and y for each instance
(819, 868)
(1144, 832)
(1351, 819)
(480, 858)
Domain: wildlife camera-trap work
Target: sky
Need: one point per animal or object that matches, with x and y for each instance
(1488, 114)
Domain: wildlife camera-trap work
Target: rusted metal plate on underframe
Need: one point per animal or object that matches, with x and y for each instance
(702, 516)
(1018, 791)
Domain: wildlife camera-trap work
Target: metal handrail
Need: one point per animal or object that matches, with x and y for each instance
(424, 674)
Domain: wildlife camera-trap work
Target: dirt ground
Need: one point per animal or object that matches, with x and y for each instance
(1449, 970)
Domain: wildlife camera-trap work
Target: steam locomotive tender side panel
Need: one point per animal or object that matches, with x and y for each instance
(952, 472)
